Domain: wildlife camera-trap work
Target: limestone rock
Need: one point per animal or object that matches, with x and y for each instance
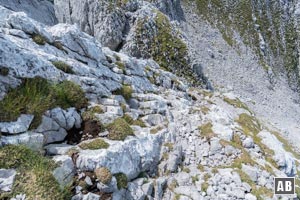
(7, 177)
(19, 126)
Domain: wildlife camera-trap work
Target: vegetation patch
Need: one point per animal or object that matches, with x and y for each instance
(103, 175)
(121, 65)
(95, 144)
(126, 91)
(4, 71)
(89, 114)
(259, 192)
(251, 127)
(236, 103)
(131, 121)
(119, 129)
(165, 46)
(37, 95)
(63, 67)
(156, 129)
(34, 176)
(206, 131)
(121, 180)
(38, 39)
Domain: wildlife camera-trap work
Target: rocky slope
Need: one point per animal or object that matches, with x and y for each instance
(82, 121)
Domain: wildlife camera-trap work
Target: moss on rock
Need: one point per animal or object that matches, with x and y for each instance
(94, 145)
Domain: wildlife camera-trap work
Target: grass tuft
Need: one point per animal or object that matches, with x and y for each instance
(119, 129)
(206, 131)
(121, 180)
(94, 145)
(63, 67)
(37, 95)
(130, 121)
(126, 91)
(38, 39)
(103, 175)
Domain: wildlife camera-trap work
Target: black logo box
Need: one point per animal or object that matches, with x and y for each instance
(284, 185)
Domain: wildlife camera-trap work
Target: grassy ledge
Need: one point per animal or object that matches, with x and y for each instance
(119, 129)
(34, 176)
(94, 145)
(37, 95)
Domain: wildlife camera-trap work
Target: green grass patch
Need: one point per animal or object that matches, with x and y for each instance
(37, 95)
(119, 129)
(236, 103)
(131, 121)
(126, 91)
(156, 129)
(34, 176)
(63, 67)
(121, 180)
(94, 145)
(38, 39)
(206, 131)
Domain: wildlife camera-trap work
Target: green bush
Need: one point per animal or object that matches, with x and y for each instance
(95, 144)
(119, 130)
(63, 67)
(34, 176)
(37, 95)
(121, 180)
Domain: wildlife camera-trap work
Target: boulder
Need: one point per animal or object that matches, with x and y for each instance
(129, 157)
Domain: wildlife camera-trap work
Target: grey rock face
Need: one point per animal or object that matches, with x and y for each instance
(102, 19)
(283, 158)
(39, 10)
(19, 126)
(7, 177)
(32, 140)
(65, 172)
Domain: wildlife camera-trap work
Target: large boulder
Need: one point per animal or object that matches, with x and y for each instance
(129, 157)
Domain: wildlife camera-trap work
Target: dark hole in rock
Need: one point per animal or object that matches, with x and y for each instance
(74, 135)
(91, 129)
